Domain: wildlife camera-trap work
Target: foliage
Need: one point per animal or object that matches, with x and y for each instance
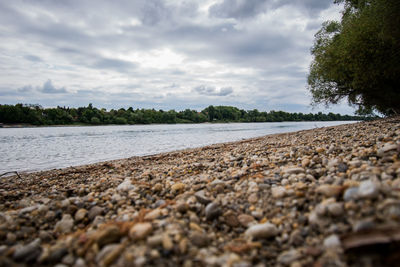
(358, 58)
(36, 115)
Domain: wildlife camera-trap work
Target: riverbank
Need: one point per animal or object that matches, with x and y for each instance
(328, 196)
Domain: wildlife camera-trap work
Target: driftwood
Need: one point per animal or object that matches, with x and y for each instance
(15, 172)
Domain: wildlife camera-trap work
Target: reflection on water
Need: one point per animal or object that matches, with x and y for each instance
(31, 149)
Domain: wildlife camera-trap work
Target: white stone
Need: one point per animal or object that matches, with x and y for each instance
(264, 230)
(278, 192)
(332, 241)
(125, 186)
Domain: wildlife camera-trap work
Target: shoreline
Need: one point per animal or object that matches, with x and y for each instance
(22, 126)
(298, 199)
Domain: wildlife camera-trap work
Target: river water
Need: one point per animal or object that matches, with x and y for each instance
(44, 148)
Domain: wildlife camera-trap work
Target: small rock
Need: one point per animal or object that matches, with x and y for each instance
(335, 209)
(154, 214)
(45, 236)
(65, 225)
(108, 254)
(278, 192)
(167, 242)
(182, 207)
(178, 187)
(287, 257)
(231, 219)
(320, 149)
(368, 189)
(264, 230)
(296, 238)
(364, 224)
(342, 167)
(305, 162)
(125, 186)
(213, 211)
(80, 215)
(11, 238)
(95, 211)
(350, 194)
(108, 235)
(157, 187)
(200, 196)
(140, 231)
(28, 253)
(329, 190)
(199, 239)
(332, 241)
(246, 220)
(154, 240)
(57, 253)
(293, 170)
(386, 148)
(27, 210)
(80, 263)
(253, 198)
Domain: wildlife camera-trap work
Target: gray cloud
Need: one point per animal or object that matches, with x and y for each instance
(237, 8)
(212, 91)
(115, 64)
(242, 9)
(33, 58)
(48, 88)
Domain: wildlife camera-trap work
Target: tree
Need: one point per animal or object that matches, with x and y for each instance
(358, 58)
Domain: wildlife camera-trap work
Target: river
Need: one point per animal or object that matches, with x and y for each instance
(44, 148)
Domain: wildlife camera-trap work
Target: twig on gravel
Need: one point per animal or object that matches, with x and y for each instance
(11, 172)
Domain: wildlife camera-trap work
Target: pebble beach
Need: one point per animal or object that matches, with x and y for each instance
(323, 197)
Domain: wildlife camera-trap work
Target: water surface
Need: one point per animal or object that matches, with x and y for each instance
(33, 149)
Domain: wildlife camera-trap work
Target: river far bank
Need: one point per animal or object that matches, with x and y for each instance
(323, 197)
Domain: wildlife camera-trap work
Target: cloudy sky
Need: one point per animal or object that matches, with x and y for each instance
(163, 54)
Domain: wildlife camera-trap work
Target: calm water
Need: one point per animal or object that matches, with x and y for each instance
(32, 149)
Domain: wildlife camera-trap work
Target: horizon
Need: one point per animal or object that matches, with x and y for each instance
(162, 54)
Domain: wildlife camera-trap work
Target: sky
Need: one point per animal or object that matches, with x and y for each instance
(162, 54)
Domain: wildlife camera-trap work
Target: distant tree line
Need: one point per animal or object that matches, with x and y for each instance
(37, 115)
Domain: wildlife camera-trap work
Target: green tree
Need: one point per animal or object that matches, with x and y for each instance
(358, 58)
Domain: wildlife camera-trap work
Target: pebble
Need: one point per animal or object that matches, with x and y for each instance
(386, 148)
(305, 162)
(288, 257)
(335, 209)
(178, 187)
(95, 211)
(350, 194)
(65, 225)
(29, 252)
(253, 198)
(154, 214)
(246, 220)
(342, 167)
(278, 192)
(140, 231)
(200, 196)
(329, 190)
(80, 215)
(368, 189)
(265, 230)
(293, 170)
(199, 239)
(212, 211)
(110, 234)
(125, 186)
(332, 241)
